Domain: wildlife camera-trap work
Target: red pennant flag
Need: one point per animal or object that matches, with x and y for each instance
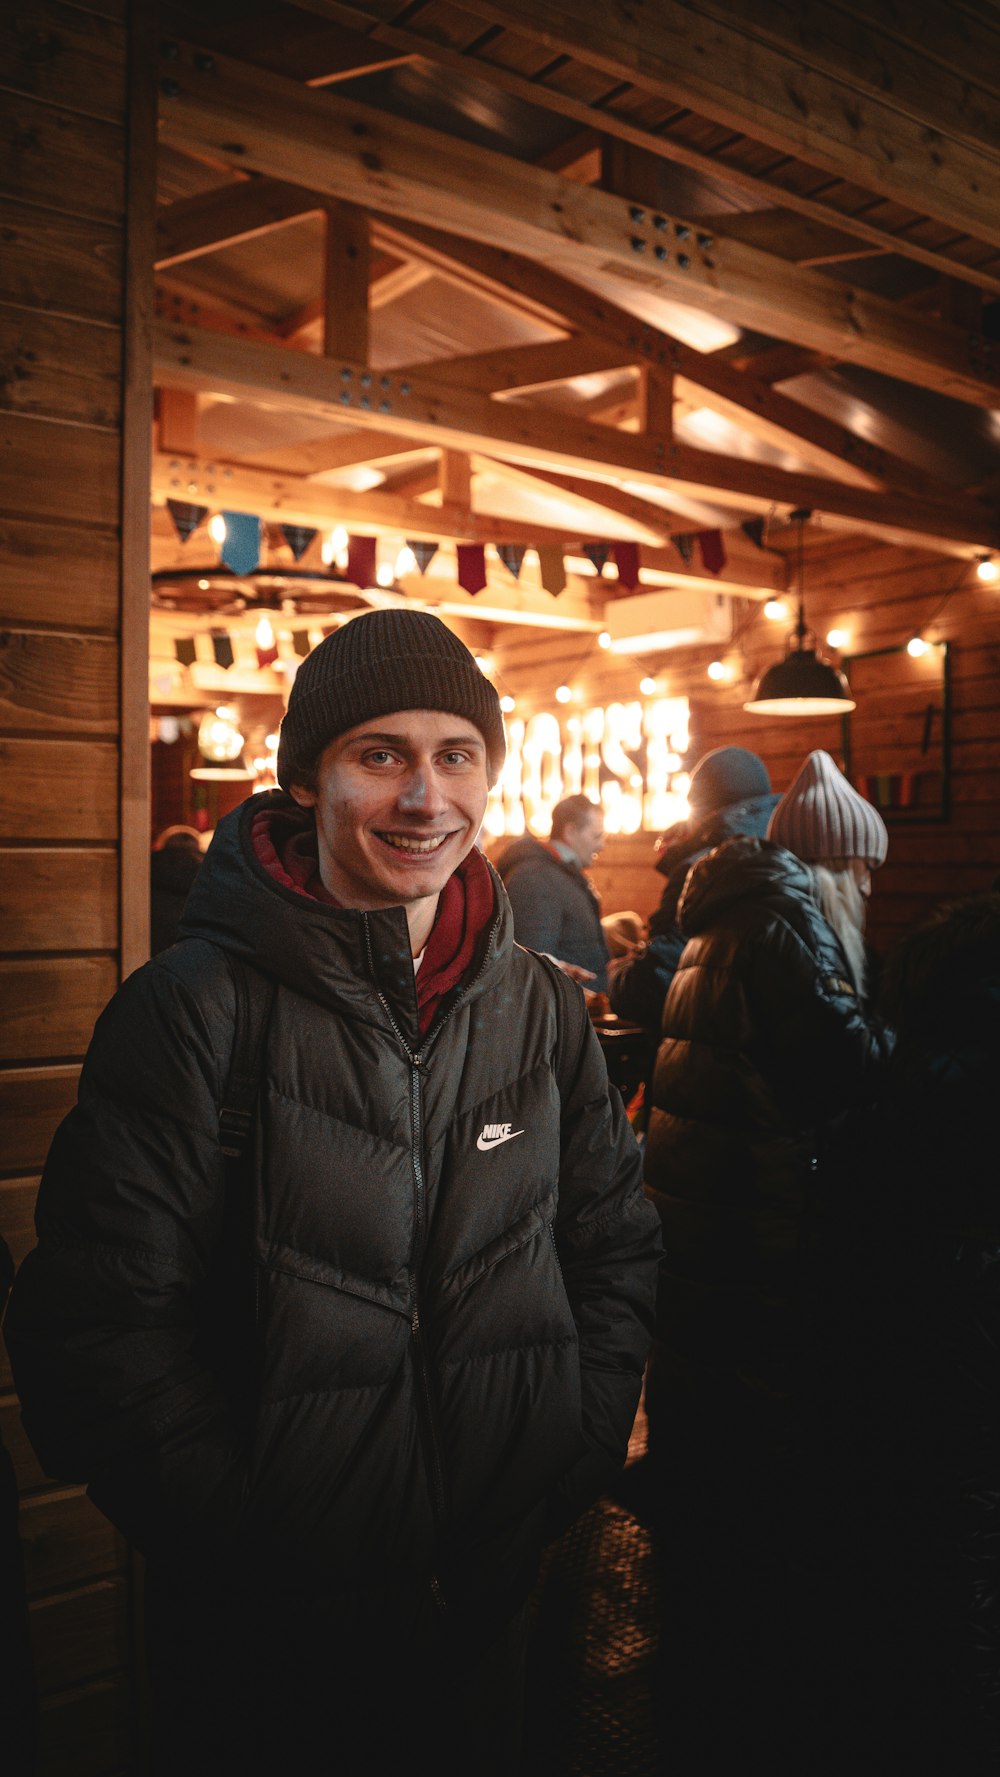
(471, 567)
(627, 562)
(713, 551)
(362, 560)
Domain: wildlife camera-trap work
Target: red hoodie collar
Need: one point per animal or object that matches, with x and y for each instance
(464, 909)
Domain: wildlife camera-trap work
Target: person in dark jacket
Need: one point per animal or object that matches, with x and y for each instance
(730, 794)
(909, 1427)
(556, 910)
(340, 1411)
(766, 1045)
(174, 863)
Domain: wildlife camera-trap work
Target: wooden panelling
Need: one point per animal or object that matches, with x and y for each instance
(65, 57)
(60, 263)
(61, 159)
(50, 682)
(66, 1541)
(84, 1732)
(33, 1102)
(79, 1635)
(59, 368)
(58, 789)
(51, 1006)
(58, 471)
(58, 900)
(62, 575)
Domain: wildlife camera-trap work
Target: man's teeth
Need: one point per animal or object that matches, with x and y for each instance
(403, 843)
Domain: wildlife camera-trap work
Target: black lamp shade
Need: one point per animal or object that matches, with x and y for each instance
(801, 685)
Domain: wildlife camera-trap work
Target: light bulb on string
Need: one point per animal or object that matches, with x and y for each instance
(917, 646)
(563, 694)
(406, 562)
(776, 610)
(263, 635)
(648, 687)
(837, 638)
(217, 528)
(508, 704)
(604, 639)
(987, 570)
(716, 671)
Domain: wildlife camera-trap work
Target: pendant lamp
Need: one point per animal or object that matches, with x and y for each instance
(804, 683)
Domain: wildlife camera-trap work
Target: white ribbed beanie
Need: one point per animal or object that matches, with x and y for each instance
(822, 816)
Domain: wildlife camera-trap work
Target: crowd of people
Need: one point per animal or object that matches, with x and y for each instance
(351, 1264)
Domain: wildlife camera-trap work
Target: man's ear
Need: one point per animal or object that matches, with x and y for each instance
(305, 798)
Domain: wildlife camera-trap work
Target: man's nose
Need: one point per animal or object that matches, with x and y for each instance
(421, 793)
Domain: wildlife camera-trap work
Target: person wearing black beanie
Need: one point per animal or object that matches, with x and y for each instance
(730, 794)
(345, 1277)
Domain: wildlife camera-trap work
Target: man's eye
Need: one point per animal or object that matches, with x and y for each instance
(380, 756)
(455, 759)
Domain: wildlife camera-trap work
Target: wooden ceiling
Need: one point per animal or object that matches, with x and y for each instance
(552, 271)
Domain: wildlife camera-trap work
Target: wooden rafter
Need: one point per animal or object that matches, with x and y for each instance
(766, 190)
(430, 411)
(367, 157)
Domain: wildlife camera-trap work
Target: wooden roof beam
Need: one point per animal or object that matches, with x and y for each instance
(192, 226)
(609, 121)
(829, 109)
(433, 413)
(365, 156)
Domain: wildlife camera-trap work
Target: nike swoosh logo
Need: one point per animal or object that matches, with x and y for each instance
(494, 1141)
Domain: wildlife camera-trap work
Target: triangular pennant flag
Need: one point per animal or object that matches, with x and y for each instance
(362, 560)
(423, 552)
(551, 568)
(713, 551)
(241, 549)
(222, 648)
(627, 562)
(300, 642)
(298, 537)
(185, 650)
(471, 558)
(685, 545)
(186, 517)
(267, 656)
(754, 529)
(512, 555)
(598, 554)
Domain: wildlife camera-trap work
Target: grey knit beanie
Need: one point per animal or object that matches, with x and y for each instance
(374, 665)
(726, 775)
(822, 816)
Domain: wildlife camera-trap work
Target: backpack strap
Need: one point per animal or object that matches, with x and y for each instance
(254, 999)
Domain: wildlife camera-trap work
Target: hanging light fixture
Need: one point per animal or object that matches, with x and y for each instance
(803, 684)
(220, 748)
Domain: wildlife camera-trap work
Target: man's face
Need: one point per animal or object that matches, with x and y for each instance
(586, 837)
(399, 801)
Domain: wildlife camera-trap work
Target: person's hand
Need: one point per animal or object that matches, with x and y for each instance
(575, 971)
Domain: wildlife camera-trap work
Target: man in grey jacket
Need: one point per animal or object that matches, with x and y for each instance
(339, 1406)
(556, 910)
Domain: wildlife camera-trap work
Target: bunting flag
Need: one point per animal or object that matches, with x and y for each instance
(512, 555)
(598, 554)
(754, 529)
(471, 558)
(186, 517)
(362, 560)
(684, 541)
(300, 642)
(222, 648)
(627, 562)
(298, 537)
(552, 569)
(267, 656)
(423, 552)
(713, 551)
(184, 650)
(241, 549)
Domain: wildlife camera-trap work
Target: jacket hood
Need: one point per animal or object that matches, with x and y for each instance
(519, 850)
(700, 833)
(738, 870)
(336, 955)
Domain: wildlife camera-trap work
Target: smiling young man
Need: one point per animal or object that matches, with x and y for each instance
(339, 1407)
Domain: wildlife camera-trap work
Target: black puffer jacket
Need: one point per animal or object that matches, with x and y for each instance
(637, 984)
(450, 1323)
(765, 1047)
(555, 909)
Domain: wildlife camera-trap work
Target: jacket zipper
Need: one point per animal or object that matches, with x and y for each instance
(416, 1062)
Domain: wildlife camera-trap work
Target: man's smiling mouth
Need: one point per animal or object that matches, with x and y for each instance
(409, 843)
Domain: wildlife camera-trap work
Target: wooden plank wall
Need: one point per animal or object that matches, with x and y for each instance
(880, 595)
(69, 155)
